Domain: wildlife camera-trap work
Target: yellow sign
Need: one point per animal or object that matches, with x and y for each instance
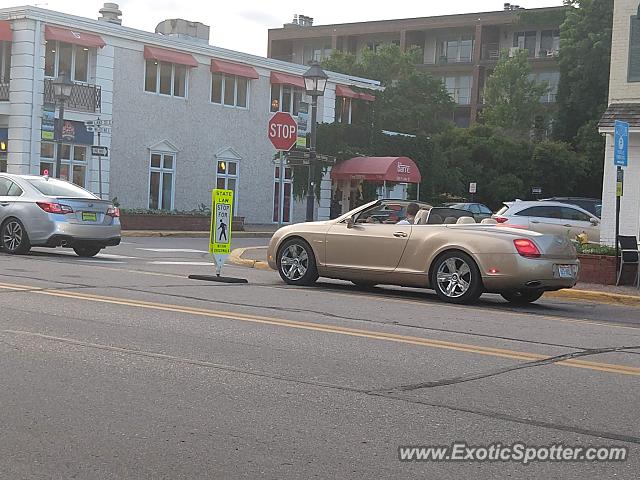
(618, 189)
(221, 216)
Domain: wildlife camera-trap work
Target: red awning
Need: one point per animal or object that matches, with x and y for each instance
(391, 169)
(286, 79)
(347, 92)
(5, 31)
(170, 56)
(85, 39)
(233, 69)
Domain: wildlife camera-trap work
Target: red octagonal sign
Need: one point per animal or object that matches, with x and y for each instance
(283, 131)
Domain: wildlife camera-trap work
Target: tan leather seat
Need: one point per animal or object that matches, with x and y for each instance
(421, 217)
(450, 220)
(465, 220)
(490, 221)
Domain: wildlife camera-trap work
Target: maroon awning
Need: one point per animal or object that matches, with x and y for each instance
(231, 68)
(169, 56)
(347, 92)
(286, 79)
(5, 31)
(67, 35)
(391, 169)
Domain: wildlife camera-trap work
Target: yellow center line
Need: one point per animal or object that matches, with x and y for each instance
(325, 328)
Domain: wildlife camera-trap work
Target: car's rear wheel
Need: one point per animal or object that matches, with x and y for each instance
(14, 237)
(456, 279)
(297, 263)
(87, 251)
(522, 297)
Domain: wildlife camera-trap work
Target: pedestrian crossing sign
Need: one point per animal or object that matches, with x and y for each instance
(221, 217)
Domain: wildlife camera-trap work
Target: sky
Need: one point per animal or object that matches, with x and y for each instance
(242, 25)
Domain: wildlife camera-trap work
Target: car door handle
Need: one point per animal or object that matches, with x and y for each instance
(535, 221)
(4, 204)
(400, 234)
(567, 225)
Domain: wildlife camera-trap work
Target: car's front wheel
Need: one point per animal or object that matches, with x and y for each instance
(456, 279)
(522, 297)
(87, 251)
(14, 237)
(297, 263)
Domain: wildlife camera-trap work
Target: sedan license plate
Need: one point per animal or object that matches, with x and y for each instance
(89, 217)
(565, 271)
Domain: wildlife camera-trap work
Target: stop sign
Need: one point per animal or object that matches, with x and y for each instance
(283, 131)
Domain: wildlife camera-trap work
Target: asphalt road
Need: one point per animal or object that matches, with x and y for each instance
(122, 367)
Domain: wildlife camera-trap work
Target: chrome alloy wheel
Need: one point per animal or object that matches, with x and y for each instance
(12, 236)
(454, 277)
(294, 262)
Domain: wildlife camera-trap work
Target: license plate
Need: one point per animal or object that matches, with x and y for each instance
(89, 217)
(565, 271)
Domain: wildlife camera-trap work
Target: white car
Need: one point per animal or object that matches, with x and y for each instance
(550, 217)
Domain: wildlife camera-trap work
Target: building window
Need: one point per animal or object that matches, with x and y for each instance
(526, 41)
(459, 88)
(161, 180)
(286, 98)
(551, 79)
(633, 72)
(5, 62)
(227, 178)
(165, 78)
(73, 166)
(73, 60)
(457, 50)
(3, 162)
(316, 53)
(287, 204)
(343, 110)
(229, 90)
(549, 43)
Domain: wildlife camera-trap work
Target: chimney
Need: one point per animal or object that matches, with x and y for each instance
(184, 30)
(110, 13)
(507, 7)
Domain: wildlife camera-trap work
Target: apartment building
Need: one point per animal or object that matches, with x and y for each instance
(624, 104)
(462, 50)
(187, 116)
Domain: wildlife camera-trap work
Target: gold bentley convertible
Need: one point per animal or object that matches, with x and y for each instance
(387, 242)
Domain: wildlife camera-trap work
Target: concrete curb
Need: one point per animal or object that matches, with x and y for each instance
(594, 296)
(235, 258)
(187, 234)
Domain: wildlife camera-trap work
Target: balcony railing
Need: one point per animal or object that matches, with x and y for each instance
(490, 51)
(4, 92)
(84, 98)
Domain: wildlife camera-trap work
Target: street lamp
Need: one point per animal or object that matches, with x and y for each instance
(62, 86)
(315, 81)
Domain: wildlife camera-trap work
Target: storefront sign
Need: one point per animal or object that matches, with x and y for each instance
(48, 121)
(75, 132)
(303, 125)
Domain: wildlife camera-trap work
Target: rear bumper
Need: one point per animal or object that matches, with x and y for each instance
(70, 234)
(69, 241)
(534, 274)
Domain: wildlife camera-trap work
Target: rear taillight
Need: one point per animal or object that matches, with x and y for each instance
(55, 208)
(500, 219)
(526, 248)
(113, 212)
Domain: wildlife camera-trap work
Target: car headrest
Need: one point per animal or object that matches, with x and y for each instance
(491, 221)
(450, 220)
(435, 219)
(421, 217)
(464, 220)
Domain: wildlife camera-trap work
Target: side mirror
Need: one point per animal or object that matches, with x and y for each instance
(594, 221)
(350, 222)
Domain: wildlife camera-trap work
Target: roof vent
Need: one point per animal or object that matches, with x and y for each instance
(184, 30)
(110, 13)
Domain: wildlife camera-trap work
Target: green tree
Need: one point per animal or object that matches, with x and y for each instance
(556, 168)
(512, 97)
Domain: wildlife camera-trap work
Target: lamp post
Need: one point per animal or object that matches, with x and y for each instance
(315, 81)
(62, 86)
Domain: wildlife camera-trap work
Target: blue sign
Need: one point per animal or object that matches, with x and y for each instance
(621, 144)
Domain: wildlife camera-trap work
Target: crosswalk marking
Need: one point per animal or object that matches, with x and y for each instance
(173, 250)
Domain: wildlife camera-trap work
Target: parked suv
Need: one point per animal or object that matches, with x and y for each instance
(45, 212)
(550, 217)
(591, 205)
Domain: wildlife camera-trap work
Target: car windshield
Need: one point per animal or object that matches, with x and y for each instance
(58, 188)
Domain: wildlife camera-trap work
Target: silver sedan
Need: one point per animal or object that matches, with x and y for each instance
(40, 211)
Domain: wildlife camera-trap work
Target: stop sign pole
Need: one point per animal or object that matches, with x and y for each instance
(283, 134)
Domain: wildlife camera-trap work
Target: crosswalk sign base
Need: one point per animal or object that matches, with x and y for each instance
(218, 278)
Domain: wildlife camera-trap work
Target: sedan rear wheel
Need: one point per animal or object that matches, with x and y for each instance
(522, 297)
(14, 237)
(456, 278)
(296, 263)
(86, 251)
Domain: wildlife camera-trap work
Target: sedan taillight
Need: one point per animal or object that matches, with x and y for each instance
(526, 248)
(113, 212)
(55, 208)
(501, 219)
